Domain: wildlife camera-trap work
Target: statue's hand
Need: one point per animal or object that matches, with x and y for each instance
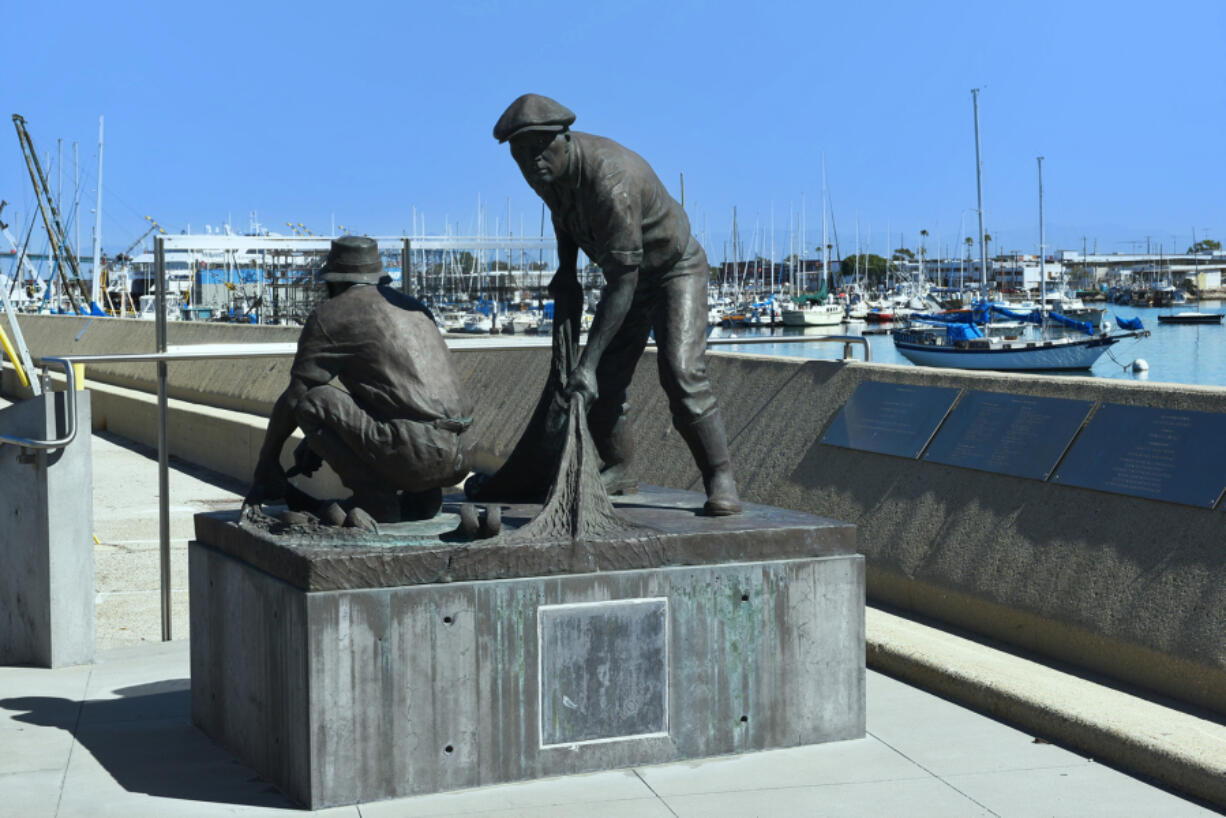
(269, 483)
(306, 460)
(582, 382)
(564, 281)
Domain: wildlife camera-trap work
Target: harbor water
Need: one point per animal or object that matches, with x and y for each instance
(1176, 353)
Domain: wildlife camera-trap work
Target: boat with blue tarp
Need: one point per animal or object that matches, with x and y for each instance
(958, 340)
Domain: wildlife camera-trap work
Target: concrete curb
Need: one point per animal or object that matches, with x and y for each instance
(1179, 750)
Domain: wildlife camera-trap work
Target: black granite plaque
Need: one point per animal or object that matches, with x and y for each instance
(1019, 435)
(1162, 454)
(890, 418)
(603, 670)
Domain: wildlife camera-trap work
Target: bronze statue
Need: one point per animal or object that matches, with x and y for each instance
(400, 433)
(606, 199)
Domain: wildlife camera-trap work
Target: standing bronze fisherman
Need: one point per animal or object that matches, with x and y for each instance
(608, 201)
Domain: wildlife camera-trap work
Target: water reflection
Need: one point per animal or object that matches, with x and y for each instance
(1176, 353)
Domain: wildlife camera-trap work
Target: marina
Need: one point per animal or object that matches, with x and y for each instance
(1184, 354)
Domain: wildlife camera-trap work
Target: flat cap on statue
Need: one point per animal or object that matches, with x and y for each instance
(532, 112)
(355, 259)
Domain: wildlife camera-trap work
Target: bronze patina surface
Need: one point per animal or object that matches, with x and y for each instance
(672, 532)
(606, 200)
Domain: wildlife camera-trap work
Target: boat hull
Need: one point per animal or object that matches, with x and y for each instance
(1039, 356)
(812, 318)
(1191, 318)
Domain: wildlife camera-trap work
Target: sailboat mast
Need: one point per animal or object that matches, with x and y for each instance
(774, 273)
(983, 253)
(804, 247)
(76, 198)
(1042, 252)
(96, 284)
(825, 252)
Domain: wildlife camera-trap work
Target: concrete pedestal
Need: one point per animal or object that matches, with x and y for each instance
(348, 671)
(46, 537)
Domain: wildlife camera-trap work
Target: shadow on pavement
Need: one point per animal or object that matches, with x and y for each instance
(201, 473)
(145, 740)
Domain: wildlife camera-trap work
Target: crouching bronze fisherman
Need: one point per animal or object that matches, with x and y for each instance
(398, 433)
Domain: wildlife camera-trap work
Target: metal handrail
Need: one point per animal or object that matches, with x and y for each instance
(179, 354)
(206, 352)
(70, 414)
(845, 340)
(161, 359)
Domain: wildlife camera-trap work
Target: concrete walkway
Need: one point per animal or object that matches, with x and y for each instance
(115, 738)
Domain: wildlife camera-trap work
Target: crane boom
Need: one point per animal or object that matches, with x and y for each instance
(143, 236)
(51, 216)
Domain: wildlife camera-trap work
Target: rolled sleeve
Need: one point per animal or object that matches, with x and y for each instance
(622, 219)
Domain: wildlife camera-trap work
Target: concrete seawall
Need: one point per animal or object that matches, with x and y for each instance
(1130, 588)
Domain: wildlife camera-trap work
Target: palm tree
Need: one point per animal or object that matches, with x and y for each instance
(922, 248)
(970, 242)
(987, 255)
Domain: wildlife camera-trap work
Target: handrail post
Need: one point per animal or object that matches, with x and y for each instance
(70, 411)
(159, 261)
(405, 256)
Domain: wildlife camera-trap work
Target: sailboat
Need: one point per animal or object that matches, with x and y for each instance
(960, 343)
(819, 310)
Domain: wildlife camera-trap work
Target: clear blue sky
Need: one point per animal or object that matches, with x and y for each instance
(301, 111)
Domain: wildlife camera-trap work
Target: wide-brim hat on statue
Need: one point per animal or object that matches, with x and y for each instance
(353, 259)
(532, 112)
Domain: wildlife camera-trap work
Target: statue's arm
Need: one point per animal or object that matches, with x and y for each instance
(568, 260)
(282, 423)
(615, 301)
(269, 481)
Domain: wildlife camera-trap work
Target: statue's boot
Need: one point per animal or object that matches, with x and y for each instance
(382, 505)
(708, 444)
(371, 494)
(615, 445)
(422, 505)
(298, 500)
